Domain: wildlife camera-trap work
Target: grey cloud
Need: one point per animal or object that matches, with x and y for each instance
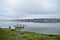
(29, 9)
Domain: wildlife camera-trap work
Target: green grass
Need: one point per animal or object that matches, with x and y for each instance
(7, 34)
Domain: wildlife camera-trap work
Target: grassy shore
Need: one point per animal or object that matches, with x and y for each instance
(11, 34)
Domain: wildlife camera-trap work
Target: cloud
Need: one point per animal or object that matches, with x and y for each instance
(48, 5)
(14, 9)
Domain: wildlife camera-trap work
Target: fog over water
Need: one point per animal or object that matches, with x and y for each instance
(30, 9)
(41, 28)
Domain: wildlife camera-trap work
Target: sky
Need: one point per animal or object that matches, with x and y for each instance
(29, 9)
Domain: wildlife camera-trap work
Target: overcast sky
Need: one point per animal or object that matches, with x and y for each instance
(18, 9)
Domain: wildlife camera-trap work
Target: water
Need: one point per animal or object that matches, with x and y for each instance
(42, 28)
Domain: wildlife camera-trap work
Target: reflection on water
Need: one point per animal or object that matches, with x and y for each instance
(42, 28)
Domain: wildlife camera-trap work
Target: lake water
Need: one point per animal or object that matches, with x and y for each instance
(42, 28)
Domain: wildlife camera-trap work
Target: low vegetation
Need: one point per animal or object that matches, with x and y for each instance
(11, 34)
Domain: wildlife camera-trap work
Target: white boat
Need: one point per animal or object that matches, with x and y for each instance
(19, 26)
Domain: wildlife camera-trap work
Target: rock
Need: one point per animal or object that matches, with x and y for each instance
(19, 36)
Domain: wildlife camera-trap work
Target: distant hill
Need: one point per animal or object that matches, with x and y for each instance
(40, 20)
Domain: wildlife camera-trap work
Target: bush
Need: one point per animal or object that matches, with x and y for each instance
(12, 29)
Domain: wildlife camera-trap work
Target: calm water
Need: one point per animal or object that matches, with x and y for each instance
(42, 28)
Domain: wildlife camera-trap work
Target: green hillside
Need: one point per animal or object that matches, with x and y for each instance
(11, 34)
